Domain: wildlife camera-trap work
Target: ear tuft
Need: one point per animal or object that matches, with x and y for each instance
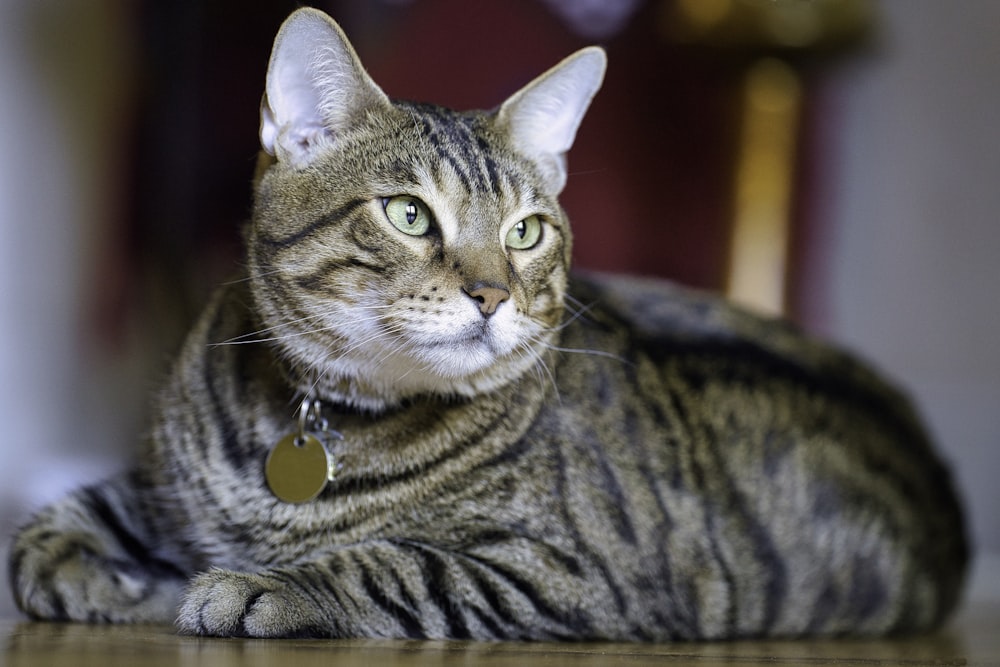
(542, 118)
(316, 87)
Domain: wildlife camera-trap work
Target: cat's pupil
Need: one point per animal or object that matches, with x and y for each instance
(411, 212)
(521, 228)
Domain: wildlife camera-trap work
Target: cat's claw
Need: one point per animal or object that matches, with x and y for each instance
(221, 603)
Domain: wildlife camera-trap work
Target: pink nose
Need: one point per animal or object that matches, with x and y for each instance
(488, 297)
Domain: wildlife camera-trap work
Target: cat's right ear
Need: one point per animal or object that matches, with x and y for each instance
(542, 118)
(316, 86)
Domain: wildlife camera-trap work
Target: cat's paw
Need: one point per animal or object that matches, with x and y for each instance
(64, 576)
(233, 604)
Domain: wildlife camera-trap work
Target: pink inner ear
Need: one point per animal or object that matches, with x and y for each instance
(315, 86)
(268, 127)
(307, 136)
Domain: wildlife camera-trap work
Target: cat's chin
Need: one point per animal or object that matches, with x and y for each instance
(450, 372)
(457, 360)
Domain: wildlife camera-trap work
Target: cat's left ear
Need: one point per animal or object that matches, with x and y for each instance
(316, 86)
(542, 118)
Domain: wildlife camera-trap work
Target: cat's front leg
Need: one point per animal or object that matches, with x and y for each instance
(83, 559)
(387, 589)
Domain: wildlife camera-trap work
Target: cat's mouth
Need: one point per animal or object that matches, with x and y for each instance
(472, 349)
(464, 342)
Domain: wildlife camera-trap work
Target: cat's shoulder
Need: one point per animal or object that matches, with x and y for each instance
(654, 307)
(665, 316)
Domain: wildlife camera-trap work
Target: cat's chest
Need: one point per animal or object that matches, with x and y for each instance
(390, 477)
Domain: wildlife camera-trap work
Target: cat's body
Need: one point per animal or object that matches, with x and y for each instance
(647, 464)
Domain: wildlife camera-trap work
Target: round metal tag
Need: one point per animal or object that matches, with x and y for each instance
(298, 468)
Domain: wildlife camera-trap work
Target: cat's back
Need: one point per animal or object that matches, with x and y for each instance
(756, 448)
(664, 313)
(685, 328)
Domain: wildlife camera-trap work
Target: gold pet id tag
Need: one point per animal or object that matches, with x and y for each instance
(300, 465)
(298, 468)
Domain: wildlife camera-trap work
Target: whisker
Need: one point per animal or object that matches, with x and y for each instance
(240, 340)
(248, 278)
(333, 358)
(579, 312)
(541, 369)
(596, 353)
(384, 333)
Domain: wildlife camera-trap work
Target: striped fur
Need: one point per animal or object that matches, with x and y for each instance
(599, 458)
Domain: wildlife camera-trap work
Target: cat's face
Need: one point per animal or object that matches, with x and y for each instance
(405, 260)
(401, 249)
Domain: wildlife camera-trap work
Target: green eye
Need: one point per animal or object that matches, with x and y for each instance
(407, 214)
(525, 234)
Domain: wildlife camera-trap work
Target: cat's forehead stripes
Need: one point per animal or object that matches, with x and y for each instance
(459, 141)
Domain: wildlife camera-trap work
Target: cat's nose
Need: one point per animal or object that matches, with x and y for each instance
(488, 296)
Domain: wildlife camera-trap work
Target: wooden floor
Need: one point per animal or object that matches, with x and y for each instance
(972, 638)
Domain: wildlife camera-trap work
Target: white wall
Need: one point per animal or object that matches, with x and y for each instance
(913, 253)
(63, 409)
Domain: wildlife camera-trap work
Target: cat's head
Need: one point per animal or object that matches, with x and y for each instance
(402, 249)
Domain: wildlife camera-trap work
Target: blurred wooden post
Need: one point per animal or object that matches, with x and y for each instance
(771, 38)
(758, 251)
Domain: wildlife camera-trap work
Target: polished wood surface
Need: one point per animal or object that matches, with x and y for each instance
(973, 638)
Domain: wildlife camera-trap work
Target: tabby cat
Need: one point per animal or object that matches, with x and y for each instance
(409, 420)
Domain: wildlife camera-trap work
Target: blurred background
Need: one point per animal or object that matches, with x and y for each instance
(834, 161)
